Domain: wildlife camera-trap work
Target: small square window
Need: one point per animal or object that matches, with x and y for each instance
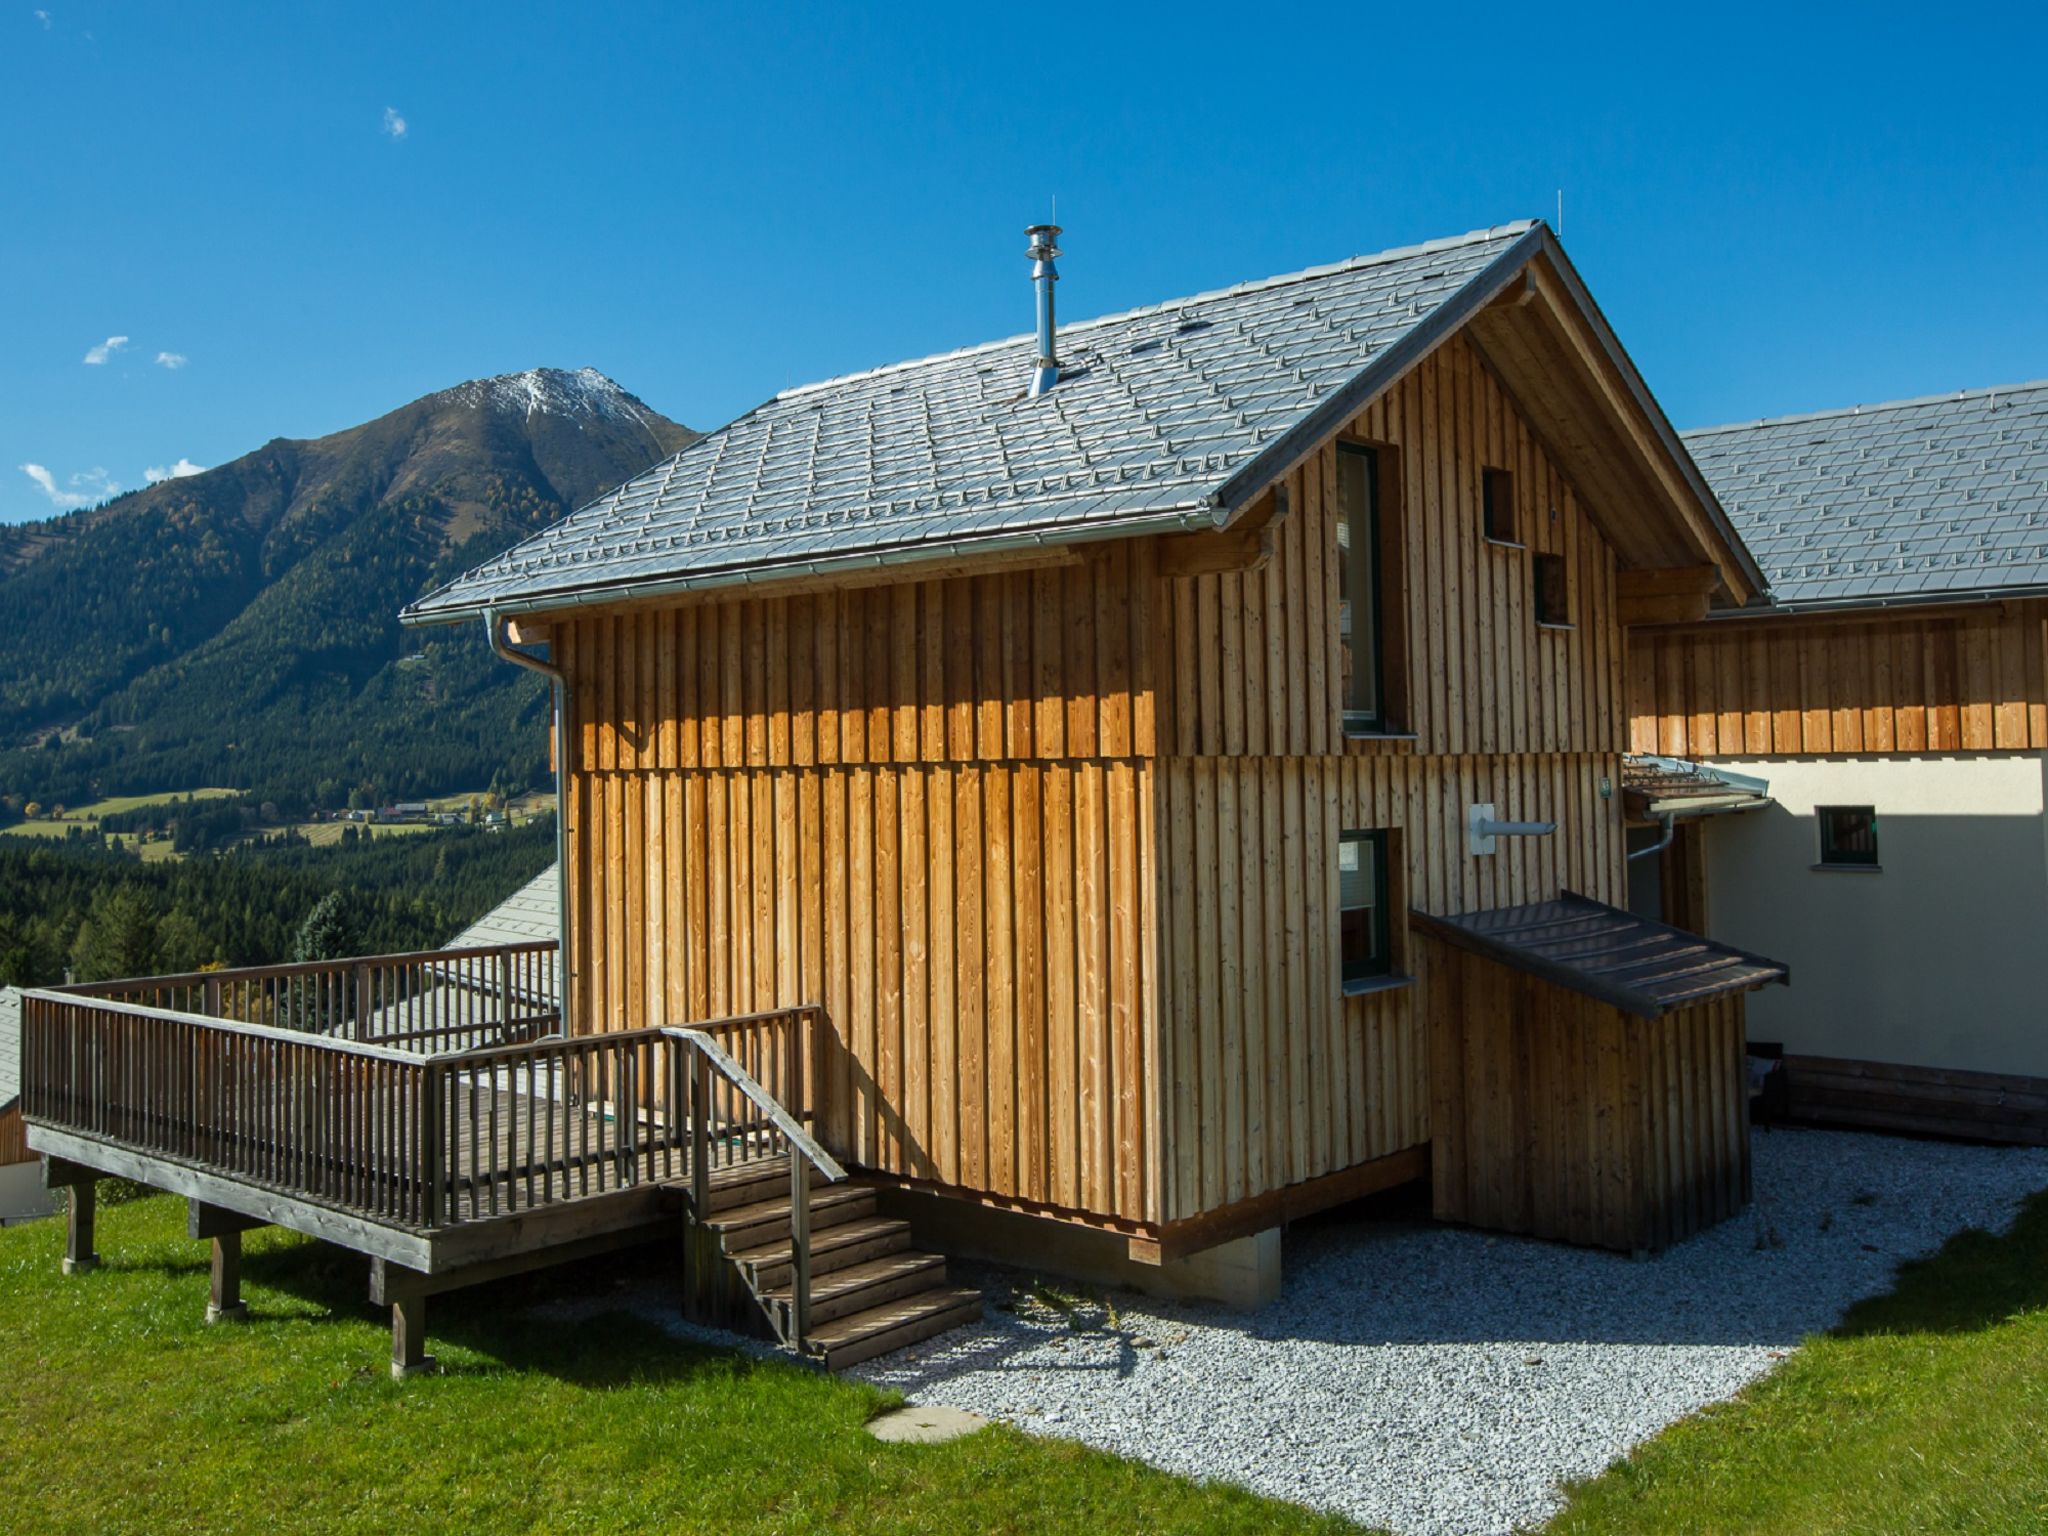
(1553, 604)
(1848, 835)
(1497, 505)
(1362, 904)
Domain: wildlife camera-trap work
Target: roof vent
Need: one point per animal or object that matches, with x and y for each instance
(1045, 372)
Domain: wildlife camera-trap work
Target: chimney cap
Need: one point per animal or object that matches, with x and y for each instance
(1042, 238)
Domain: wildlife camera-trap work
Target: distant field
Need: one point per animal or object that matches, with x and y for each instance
(88, 816)
(319, 833)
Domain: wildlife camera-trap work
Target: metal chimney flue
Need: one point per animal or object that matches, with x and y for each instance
(1043, 252)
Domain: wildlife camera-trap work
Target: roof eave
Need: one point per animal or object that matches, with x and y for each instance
(737, 578)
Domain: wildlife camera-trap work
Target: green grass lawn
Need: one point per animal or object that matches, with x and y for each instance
(1926, 1410)
(121, 1411)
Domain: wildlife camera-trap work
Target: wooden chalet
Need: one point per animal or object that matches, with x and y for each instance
(998, 788)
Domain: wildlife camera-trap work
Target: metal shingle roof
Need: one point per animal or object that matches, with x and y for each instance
(1643, 967)
(1155, 412)
(10, 1045)
(1910, 499)
(530, 915)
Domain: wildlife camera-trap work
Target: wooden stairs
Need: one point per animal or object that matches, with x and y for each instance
(871, 1291)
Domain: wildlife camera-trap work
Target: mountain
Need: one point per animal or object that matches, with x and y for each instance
(238, 627)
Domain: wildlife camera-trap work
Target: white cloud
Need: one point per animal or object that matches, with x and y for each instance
(394, 124)
(105, 350)
(172, 360)
(80, 490)
(177, 471)
(44, 18)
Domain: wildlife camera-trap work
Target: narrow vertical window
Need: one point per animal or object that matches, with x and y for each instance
(1553, 605)
(1848, 836)
(1358, 608)
(1362, 903)
(1497, 505)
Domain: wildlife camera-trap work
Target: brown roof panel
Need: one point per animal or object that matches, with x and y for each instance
(1642, 967)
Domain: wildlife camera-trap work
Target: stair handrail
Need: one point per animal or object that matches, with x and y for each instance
(711, 1056)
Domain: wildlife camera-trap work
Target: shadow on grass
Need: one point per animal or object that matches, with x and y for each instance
(597, 1336)
(1976, 1281)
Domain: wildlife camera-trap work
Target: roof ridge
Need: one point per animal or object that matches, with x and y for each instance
(1512, 230)
(1865, 410)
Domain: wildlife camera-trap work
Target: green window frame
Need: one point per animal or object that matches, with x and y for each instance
(1366, 934)
(1848, 836)
(1361, 634)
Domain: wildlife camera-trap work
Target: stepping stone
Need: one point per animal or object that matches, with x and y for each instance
(916, 1425)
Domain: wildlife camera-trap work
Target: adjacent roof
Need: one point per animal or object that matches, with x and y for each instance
(1914, 500)
(1639, 966)
(10, 1047)
(1655, 787)
(1167, 417)
(530, 915)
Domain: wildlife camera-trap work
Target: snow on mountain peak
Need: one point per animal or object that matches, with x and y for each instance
(550, 392)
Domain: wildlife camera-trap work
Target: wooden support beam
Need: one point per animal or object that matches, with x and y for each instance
(79, 1258)
(1669, 608)
(62, 1173)
(204, 1220)
(224, 1303)
(1245, 545)
(409, 1355)
(1178, 1239)
(1671, 581)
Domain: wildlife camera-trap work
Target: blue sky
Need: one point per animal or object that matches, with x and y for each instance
(319, 212)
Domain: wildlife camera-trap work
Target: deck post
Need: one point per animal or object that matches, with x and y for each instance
(799, 1250)
(224, 1304)
(409, 1355)
(79, 1258)
(700, 1136)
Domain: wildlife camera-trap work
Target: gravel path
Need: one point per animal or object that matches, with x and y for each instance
(1442, 1381)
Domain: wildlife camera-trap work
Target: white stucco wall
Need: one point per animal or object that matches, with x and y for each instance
(22, 1195)
(1940, 959)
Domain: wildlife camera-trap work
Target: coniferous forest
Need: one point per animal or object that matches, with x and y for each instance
(98, 913)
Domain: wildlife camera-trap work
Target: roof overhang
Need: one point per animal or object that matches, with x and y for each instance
(1642, 967)
(1656, 789)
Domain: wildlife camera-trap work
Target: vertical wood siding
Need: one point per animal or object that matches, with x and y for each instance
(1969, 681)
(1252, 666)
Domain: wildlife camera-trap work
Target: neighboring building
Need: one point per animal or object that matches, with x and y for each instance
(21, 1177)
(1082, 737)
(1893, 695)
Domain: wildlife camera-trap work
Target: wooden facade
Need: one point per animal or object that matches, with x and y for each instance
(1937, 680)
(1561, 1116)
(1054, 845)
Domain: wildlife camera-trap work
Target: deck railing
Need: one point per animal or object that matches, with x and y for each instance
(440, 999)
(400, 1135)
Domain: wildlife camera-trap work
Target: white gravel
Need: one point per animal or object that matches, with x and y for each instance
(1443, 1381)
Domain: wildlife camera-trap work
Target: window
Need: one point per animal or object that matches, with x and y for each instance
(1359, 638)
(1497, 505)
(1848, 836)
(1552, 604)
(1362, 904)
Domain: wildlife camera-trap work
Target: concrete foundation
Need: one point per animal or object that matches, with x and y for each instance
(1242, 1273)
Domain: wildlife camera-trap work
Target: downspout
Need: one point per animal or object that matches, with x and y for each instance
(1670, 824)
(558, 687)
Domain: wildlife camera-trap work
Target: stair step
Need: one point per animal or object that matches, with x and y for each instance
(858, 1287)
(752, 1182)
(832, 1248)
(750, 1226)
(863, 1335)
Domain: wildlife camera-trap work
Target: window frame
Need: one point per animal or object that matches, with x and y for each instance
(1542, 565)
(1384, 969)
(1495, 482)
(1831, 855)
(1358, 722)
